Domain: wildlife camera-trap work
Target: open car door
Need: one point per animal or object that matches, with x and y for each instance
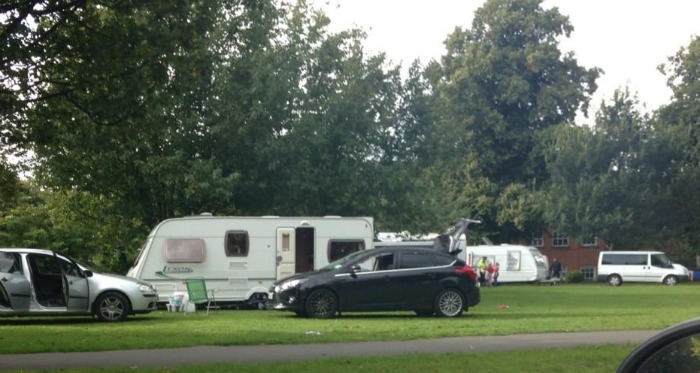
(14, 286)
(75, 285)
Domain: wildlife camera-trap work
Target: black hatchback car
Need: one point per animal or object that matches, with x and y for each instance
(396, 278)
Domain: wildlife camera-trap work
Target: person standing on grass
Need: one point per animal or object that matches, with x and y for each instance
(555, 269)
(482, 270)
(496, 270)
(489, 274)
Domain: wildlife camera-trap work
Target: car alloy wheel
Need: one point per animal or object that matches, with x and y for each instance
(321, 304)
(449, 303)
(112, 306)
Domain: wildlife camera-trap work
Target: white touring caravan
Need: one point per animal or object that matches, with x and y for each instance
(240, 257)
(517, 263)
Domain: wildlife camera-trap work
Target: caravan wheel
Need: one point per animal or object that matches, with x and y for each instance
(259, 301)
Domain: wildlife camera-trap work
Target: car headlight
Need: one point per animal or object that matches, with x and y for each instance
(290, 284)
(145, 288)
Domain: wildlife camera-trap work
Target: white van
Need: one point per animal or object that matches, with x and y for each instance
(240, 257)
(616, 267)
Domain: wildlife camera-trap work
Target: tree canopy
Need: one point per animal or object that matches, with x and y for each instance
(130, 112)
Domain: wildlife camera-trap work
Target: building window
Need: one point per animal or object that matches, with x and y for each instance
(560, 240)
(589, 241)
(236, 243)
(537, 241)
(588, 273)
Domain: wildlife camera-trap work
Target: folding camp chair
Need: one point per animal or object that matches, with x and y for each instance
(198, 294)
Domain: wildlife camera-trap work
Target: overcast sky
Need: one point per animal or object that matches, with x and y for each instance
(628, 39)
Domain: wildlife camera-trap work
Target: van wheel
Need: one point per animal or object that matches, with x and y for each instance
(449, 303)
(670, 280)
(112, 306)
(321, 304)
(614, 280)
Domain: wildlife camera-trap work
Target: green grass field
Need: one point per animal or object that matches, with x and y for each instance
(508, 309)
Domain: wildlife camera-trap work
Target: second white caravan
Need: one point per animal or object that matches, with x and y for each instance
(517, 263)
(240, 257)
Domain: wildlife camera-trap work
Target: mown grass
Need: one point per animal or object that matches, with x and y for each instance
(509, 309)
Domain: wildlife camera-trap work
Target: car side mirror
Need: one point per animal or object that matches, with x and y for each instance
(87, 273)
(354, 269)
(675, 349)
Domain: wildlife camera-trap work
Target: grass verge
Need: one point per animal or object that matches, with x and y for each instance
(510, 309)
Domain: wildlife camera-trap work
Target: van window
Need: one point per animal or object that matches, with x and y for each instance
(236, 243)
(184, 250)
(661, 260)
(625, 259)
(341, 248)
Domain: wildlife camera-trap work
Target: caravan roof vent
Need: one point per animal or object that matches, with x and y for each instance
(205, 214)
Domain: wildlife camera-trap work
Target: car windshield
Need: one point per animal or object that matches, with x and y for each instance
(340, 262)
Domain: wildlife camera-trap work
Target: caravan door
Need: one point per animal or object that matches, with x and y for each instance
(286, 252)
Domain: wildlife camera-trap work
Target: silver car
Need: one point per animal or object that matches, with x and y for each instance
(36, 282)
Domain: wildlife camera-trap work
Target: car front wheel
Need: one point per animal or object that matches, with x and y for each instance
(321, 304)
(449, 303)
(112, 306)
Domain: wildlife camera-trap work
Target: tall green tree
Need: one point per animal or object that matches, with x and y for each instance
(120, 108)
(601, 182)
(501, 84)
(677, 126)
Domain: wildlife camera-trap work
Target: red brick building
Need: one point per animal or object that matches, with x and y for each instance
(573, 255)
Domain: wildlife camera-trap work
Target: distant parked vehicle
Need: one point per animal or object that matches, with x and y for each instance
(36, 282)
(617, 267)
(382, 279)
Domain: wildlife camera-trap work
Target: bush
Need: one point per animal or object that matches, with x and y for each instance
(574, 277)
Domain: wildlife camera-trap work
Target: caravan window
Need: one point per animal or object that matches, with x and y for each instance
(184, 250)
(236, 243)
(341, 248)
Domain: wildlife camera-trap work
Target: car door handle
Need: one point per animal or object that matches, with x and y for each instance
(4, 279)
